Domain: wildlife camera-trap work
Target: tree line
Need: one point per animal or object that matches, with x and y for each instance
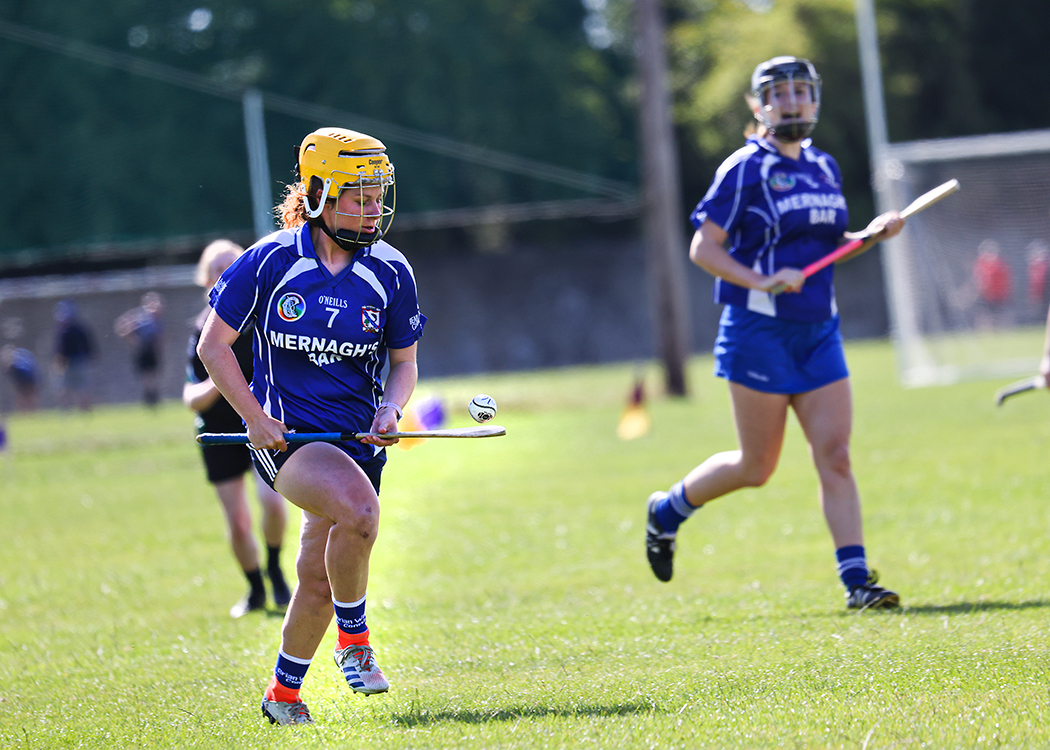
(97, 154)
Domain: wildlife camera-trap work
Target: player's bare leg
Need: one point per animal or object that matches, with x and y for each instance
(760, 421)
(238, 522)
(310, 610)
(826, 417)
(305, 623)
(341, 521)
(231, 494)
(325, 483)
(274, 513)
(274, 522)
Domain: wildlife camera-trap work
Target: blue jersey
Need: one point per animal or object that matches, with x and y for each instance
(778, 213)
(320, 341)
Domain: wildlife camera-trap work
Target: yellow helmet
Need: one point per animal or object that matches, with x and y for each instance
(330, 159)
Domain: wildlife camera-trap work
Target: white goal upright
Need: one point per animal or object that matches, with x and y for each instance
(954, 317)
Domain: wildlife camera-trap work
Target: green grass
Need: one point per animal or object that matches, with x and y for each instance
(510, 602)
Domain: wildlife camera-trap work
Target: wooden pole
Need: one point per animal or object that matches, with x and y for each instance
(666, 246)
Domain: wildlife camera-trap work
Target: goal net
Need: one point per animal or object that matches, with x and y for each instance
(968, 281)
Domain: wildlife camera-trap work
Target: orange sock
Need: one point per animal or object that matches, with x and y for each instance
(278, 692)
(352, 639)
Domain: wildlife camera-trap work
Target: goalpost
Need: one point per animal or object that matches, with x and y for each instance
(954, 317)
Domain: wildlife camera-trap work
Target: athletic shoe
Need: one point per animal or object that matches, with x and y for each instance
(286, 713)
(250, 603)
(360, 670)
(870, 596)
(659, 547)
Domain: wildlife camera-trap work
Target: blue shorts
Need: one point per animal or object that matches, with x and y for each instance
(778, 356)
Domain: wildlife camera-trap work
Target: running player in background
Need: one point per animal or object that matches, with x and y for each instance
(775, 206)
(328, 303)
(74, 353)
(143, 328)
(991, 276)
(1037, 268)
(227, 466)
(21, 367)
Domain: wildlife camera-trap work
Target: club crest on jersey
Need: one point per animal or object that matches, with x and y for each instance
(291, 307)
(781, 181)
(370, 318)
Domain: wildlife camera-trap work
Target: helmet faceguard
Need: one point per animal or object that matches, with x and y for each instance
(331, 160)
(792, 115)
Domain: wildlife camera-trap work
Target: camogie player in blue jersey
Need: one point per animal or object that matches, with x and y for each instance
(328, 303)
(774, 207)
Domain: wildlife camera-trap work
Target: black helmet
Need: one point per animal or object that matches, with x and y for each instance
(779, 70)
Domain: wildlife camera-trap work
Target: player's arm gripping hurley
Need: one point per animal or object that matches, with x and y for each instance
(881, 228)
(707, 250)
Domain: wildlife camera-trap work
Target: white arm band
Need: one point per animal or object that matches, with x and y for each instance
(392, 405)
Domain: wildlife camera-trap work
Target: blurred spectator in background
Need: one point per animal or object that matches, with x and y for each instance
(227, 466)
(1037, 256)
(20, 365)
(991, 276)
(143, 328)
(74, 353)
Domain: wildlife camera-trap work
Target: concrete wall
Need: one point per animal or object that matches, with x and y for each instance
(531, 307)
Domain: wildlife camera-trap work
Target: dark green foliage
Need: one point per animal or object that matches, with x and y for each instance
(99, 152)
(134, 157)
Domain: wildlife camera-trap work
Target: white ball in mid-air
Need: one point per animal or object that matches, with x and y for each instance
(482, 408)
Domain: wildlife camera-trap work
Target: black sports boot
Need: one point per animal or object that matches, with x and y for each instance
(870, 596)
(659, 547)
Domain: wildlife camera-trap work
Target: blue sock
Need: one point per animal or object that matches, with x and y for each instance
(288, 675)
(350, 618)
(852, 566)
(673, 509)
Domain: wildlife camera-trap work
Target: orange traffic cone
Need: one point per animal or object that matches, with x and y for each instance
(634, 422)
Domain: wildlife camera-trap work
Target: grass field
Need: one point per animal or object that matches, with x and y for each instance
(510, 602)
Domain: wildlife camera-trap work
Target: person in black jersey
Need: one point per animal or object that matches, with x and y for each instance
(228, 465)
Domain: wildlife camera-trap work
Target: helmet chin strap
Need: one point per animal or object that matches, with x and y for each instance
(349, 241)
(792, 132)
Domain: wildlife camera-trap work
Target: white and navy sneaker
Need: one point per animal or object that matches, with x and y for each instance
(362, 673)
(286, 713)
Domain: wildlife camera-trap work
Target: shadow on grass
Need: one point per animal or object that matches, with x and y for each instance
(963, 608)
(424, 717)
